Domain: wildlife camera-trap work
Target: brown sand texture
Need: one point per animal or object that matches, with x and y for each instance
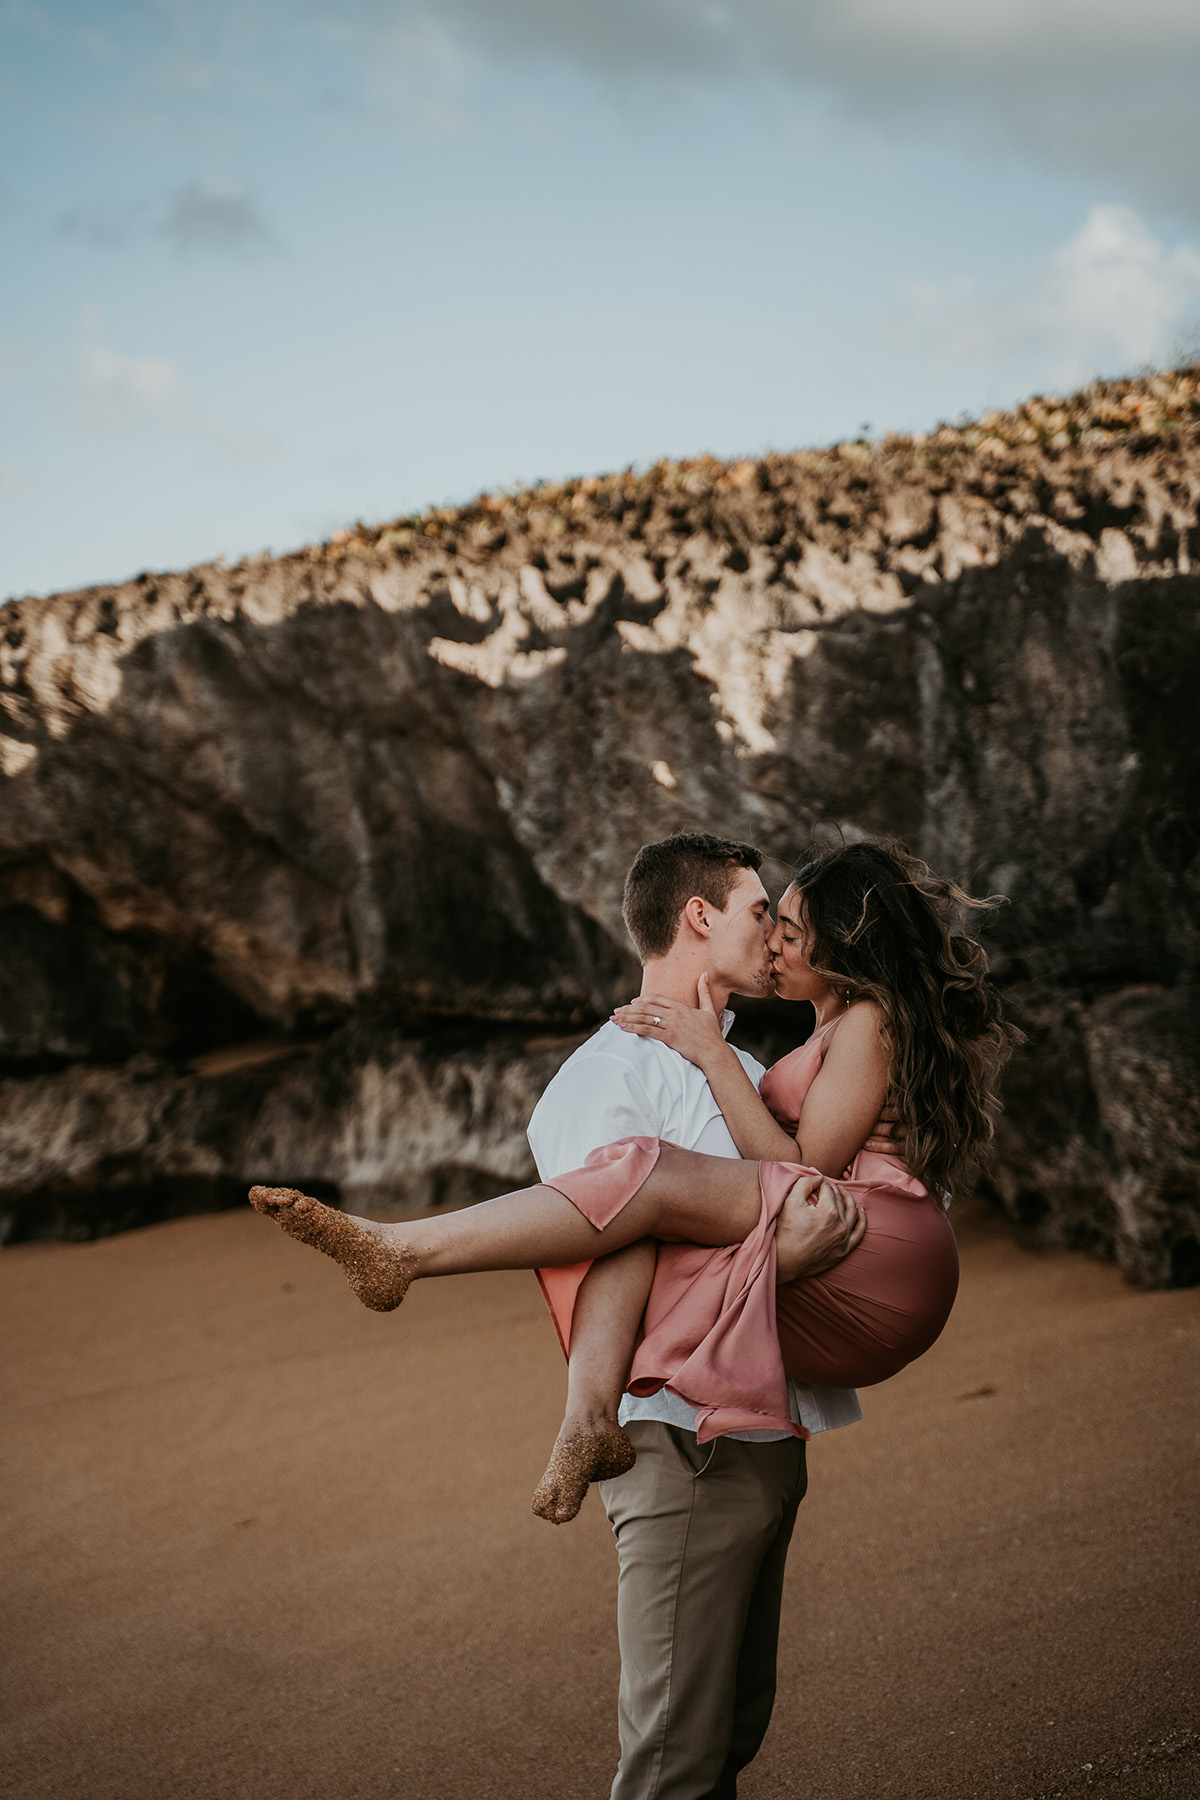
(262, 1544)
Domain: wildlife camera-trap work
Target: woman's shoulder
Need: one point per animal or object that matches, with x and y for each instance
(861, 1029)
(860, 1016)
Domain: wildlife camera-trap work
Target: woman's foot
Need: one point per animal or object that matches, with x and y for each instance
(585, 1450)
(377, 1266)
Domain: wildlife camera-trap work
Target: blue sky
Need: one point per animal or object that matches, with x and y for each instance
(274, 265)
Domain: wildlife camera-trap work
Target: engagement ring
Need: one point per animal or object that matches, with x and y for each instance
(656, 1021)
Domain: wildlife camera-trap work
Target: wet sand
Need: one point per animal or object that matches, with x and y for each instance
(262, 1544)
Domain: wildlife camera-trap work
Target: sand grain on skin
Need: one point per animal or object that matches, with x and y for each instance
(377, 1264)
(579, 1459)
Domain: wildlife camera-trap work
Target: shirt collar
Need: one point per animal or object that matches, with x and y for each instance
(727, 1019)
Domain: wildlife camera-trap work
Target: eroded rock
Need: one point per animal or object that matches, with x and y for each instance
(379, 797)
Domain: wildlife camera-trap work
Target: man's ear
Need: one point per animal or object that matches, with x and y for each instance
(697, 914)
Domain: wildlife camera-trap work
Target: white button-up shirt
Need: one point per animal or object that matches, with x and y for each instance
(621, 1085)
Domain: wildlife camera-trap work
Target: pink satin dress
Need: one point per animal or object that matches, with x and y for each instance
(720, 1334)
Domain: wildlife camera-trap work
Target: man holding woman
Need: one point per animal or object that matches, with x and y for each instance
(702, 1530)
(717, 1293)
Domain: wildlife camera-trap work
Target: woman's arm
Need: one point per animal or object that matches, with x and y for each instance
(696, 1033)
(843, 1104)
(840, 1109)
(757, 1134)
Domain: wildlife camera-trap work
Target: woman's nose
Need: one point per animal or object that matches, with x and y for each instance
(775, 938)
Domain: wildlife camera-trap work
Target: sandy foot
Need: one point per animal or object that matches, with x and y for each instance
(582, 1454)
(377, 1266)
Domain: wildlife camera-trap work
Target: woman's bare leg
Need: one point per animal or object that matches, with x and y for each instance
(591, 1445)
(686, 1198)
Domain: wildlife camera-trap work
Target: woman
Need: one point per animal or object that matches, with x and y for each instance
(906, 1014)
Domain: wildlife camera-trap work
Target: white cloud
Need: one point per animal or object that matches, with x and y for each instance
(1110, 299)
(199, 215)
(212, 216)
(1097, 86)
(1094, 86)
(856, 39)
(424, 78)
(1118, 289)
(108, 224)
(116, 395)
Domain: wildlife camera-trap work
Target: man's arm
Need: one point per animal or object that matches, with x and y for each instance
(601, 1099)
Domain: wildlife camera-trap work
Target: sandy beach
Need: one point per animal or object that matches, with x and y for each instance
(264, 1545)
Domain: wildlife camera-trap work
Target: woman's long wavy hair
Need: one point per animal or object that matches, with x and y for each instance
(886, 928)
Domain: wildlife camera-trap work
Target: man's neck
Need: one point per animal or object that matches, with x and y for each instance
(676, 978)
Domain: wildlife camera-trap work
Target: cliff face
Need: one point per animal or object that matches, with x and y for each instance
(311, 868)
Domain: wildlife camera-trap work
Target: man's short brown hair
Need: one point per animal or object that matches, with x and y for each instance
(666, 875)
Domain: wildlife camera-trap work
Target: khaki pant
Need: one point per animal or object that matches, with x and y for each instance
(702, 1534)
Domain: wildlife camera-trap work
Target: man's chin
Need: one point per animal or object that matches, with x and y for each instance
(756, 987)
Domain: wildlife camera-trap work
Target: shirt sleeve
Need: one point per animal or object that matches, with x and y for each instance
(592, 1103)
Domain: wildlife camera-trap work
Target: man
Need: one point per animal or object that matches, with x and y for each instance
(702, 1530)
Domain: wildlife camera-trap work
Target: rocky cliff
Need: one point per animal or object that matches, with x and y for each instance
(310, 868)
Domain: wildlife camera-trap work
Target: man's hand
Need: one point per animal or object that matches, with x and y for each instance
(887, 1134)
(819, 1223)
